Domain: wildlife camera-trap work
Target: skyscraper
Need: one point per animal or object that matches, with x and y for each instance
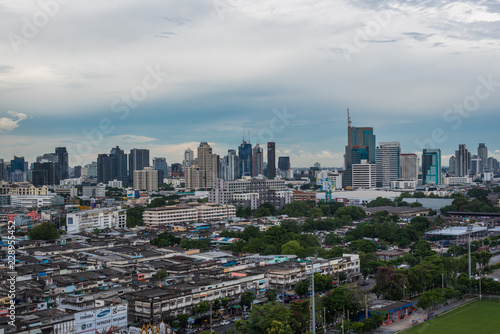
(138, 159)
(431, 166)
(245, 155)
(17, 164)
(284, 163)
(105, 168)
(387, 156)
(230, 166)
(188, 158)
(409, 166)
(452, 164)
(45, 173)
(482, 152)
(258, 160)
(120, 161)
(3, 171)
(360, 146)
(146, 179)
(462, 161)
(271, 160)
(160, 164)
(62, 160)
(476, 166)
(203, 173)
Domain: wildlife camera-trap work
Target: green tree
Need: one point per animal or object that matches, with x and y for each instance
(261, 318)
(300, 321)
(183, 319)
(272, 295)
(292, 247)
(157, 202)
(134, 217)
(301, 287)
(247, 299)
(379, 201)
(43, 231)
(161, 274)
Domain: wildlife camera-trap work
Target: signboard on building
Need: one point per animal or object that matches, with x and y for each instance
(101, 321)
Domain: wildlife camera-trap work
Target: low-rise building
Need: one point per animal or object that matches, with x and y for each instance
(88, 220)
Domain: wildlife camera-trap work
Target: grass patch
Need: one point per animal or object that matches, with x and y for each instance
(476, 317)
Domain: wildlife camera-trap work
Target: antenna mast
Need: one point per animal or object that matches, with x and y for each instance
(348, 119)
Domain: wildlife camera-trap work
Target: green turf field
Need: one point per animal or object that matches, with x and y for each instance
(477, 317)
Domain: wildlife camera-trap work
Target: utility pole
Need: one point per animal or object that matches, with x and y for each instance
(479, 287)
(324, 319)
(442, 281)
(366, 306)
(313, 306)
(468, 229)
(210, 318)
(343, 315)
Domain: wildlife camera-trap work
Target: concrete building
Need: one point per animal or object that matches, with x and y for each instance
(146, 179)
(187, 213)
(482, 152)
(387, 157)
(188, 158)
(88, 220)
(97, 191)
(160, 164)
(258, 161)
(137, 160)
(269, 191)
(476, 165)
(364, 175)
(462, 161)
(409, 166)
(203, 173)
(230, 166)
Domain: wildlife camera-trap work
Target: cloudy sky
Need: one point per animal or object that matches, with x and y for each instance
(166, 75)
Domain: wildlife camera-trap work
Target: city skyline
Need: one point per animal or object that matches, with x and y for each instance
(286, 72)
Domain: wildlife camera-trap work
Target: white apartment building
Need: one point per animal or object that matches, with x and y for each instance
(28, 201)
(178, 214)
(269, 190)
(364, 175)
(115, 184)
(96, 192)
(88, 220)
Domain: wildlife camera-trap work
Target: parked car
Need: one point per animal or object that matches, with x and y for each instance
(225, 322)
(235, 319)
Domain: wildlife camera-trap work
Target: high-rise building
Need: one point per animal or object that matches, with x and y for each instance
(476, 166)
(387, 157)
(45, 173)
(462, 158)
(245, 155)
(188, 158)
(271, 160)
(160, 164)
(203, 173)
(176, 170)
(62, 160)
(47, 157)
(360, 146)
(105, 168)
(77, 171)
(120, 161)
(3, 170)
(138, 159)
(492, 164)
(452, 164)
(409, 166)
(146, 179)
(284, 163)
(258, 160)
(230, 166)
(482, 152)
(431, 166)
(364, 175)
(17, 164)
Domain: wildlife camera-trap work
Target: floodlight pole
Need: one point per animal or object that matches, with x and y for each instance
(468, 229)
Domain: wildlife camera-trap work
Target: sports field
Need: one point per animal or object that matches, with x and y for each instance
(477, 317)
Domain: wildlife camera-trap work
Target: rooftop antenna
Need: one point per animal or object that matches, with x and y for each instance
(249, 136)
(348, 119)
(243, 133)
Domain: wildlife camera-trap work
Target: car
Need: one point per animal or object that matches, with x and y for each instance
(225, 322)
(235, 319)
(363, 283)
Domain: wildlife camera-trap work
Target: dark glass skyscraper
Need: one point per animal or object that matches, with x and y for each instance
(120, 164)
(245, 155)
(105, 168)
(360, 146)
(62, 160)
(462, 158)
(258, 160)
(284, 163)
(138, 159)
(271, 160)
